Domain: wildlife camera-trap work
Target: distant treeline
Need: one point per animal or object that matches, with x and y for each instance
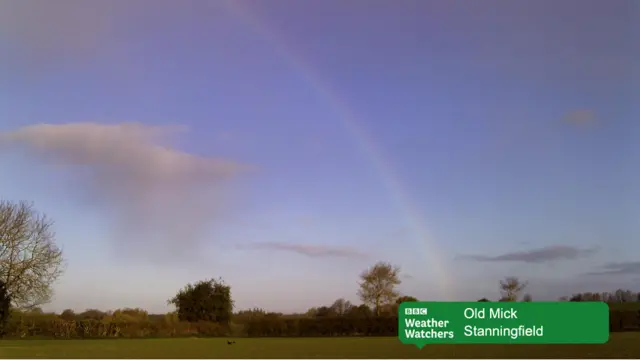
(31, 262)
(205, 309)
(136, 323)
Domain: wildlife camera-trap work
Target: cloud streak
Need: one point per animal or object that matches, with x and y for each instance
(619, 268)
(160, 200)
(314, 251)
(540, 255)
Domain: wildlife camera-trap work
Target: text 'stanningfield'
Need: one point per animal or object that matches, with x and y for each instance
(422, 323)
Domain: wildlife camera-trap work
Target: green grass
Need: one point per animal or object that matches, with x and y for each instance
(621, 345)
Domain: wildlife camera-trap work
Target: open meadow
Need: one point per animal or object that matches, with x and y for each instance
(621, 345)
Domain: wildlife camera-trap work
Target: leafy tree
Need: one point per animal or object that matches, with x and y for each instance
(208, 300)
(323, 312)
(361, 311)
(527, 298)
(405, 298)
(68, 315)
(35, 311)
(245, 316)
(511, 287)
(130, 315)
(311, 313)
(5, 307)
(256, 312)
(92, 314)
(30, 260)
(171, 317)
(388, 309)
(392, 308)
(377, 285)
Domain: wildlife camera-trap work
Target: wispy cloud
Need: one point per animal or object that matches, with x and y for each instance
(618, 268)
(545, 254)
(315, 251)
(160, 199)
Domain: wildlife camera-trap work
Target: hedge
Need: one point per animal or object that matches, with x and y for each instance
(45, 327)
(53, 327)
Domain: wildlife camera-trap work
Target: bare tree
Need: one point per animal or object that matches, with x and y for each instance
(30, 261)
(340, 307)
(377, 286)
(511, 287)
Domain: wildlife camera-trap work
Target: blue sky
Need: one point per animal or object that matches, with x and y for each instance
(462, 141)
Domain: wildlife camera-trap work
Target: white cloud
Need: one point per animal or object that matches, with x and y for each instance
(161, 200)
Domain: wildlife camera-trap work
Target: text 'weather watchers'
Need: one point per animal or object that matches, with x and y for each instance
(422, 323)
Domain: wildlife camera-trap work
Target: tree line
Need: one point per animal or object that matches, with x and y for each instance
(30, 262)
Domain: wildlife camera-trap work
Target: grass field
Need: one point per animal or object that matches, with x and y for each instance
(621, 345)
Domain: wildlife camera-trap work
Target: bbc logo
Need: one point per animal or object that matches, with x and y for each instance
(415, 311)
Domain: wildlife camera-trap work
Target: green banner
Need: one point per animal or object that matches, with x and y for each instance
(423, 323)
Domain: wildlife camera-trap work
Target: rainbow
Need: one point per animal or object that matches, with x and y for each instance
(364, 140)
